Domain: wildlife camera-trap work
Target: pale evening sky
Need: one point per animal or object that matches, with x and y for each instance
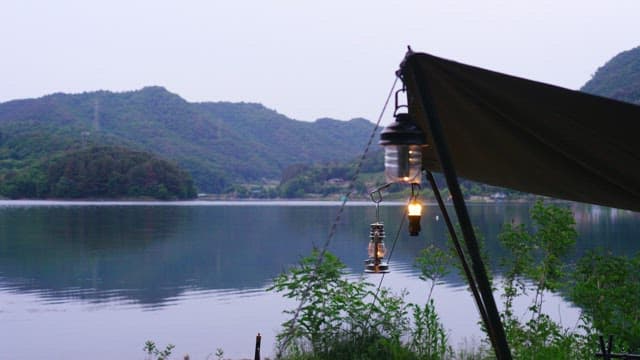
(305, 59)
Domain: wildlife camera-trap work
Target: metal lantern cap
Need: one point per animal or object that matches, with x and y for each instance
(402, 132)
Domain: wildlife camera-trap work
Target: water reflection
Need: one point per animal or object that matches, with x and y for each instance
(151, 254)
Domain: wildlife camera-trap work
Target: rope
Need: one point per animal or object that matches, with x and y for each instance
(305, 294)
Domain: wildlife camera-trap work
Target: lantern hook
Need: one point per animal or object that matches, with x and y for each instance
(376, 197)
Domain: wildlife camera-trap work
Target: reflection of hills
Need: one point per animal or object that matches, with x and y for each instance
(152, 254)
(89, 252)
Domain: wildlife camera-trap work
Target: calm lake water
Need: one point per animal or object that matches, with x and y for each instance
(96, 280)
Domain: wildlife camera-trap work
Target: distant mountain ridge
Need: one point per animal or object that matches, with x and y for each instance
(619, 78)
(219, 143)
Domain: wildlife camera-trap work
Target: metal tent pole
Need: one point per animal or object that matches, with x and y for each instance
(456, 243)
(493, 324)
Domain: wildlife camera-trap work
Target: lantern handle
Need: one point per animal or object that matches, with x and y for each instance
(397, 107)
(376, 194)
(376, 197)
(415, 190)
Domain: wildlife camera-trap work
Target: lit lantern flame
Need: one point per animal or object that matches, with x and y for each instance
(381, 250)
(415, 208)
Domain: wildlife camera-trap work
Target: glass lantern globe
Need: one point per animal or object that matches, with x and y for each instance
(402, 141)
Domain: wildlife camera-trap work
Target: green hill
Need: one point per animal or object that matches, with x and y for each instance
(220, 143)
(99, 172)
(619, 78)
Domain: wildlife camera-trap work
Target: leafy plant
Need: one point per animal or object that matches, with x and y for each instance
(340, 318)
(607, 288)
(428, 337)
(330, 302)
(153, 351)
(535, 263)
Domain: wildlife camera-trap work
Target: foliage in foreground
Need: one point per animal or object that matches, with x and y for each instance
(339, 320)
(604, 286)
(535, 264)
(154, 353)
(607, 288)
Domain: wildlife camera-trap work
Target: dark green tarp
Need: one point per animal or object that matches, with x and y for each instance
(529, 136)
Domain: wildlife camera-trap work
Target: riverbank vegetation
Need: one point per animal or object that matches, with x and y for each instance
(344, 317)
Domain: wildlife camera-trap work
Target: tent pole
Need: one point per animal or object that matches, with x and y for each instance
(494, 325)
(473, 285)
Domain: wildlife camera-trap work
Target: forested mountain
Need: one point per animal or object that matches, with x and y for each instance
(619, 78)
(218, 143)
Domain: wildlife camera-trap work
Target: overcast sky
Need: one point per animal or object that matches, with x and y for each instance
(305, 59)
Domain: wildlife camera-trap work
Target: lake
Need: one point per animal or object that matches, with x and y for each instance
(95, 280)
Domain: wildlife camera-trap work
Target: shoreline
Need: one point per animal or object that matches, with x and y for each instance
(242, 202)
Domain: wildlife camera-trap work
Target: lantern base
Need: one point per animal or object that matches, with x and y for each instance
(414, 225)
(373, 267)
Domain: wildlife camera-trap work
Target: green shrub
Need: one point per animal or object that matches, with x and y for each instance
(607, 288)
(338, 318)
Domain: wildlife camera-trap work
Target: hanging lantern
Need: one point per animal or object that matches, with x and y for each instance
(376, 250)
(415, 212)
(403, 142)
